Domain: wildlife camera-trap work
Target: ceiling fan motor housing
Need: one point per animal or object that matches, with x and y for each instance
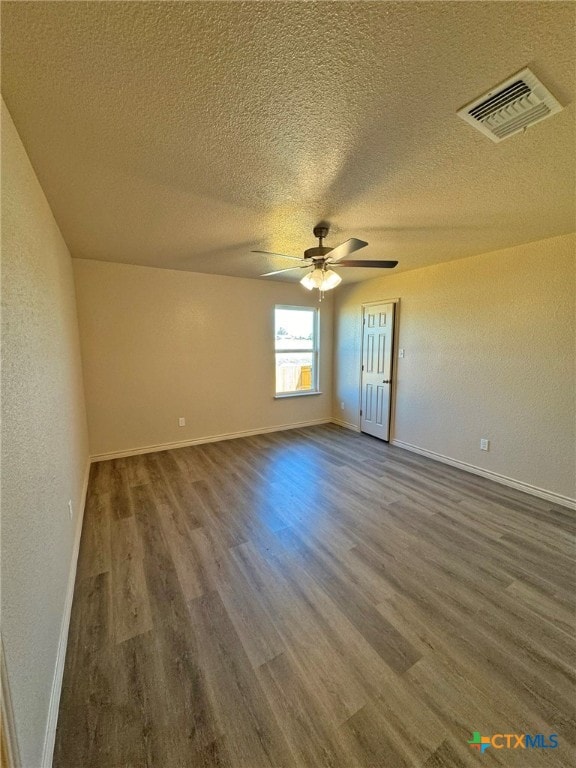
(319, 252)
(320, 231)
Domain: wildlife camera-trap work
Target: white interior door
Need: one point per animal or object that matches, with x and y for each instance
(377, 339)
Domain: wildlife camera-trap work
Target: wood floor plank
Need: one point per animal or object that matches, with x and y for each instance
(300, 624)
(315, 597)
(312, 739)
(95, 556)
(387, 641)
(368, 736)
(184, 691)
(181, 538)
(130, 607)
(360, 669)
(87, 697)
(554, 611)
(119, 489)
(129, 594)
(467, 665)
(136, 472)
(242, 714)
(444, 757)
(231, 528)
(177, 487)
(99, 479)
(246, 607)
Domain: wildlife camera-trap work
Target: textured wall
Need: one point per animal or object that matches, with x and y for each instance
(490, 345)
(159, 344)
(44, 439)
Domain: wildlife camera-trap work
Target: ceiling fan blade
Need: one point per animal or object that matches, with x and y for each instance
(290, 269)
(345, 249)
(354, 263)
(282, 255)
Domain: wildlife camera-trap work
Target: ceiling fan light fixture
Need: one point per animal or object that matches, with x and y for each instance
(309, 280)
(331, 280)
(323, 279)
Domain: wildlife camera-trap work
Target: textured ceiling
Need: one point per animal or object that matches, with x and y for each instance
(184, 134)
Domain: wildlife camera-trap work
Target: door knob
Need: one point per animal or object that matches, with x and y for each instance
(387, 381)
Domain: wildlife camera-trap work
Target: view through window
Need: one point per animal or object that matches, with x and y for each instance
(296, 349)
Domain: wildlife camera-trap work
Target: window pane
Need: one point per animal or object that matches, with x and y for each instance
(294, 371)
(294, 329)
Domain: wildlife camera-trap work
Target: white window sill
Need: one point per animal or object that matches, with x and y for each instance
(283, 395)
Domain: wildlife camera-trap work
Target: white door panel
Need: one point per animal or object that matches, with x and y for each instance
(378, 331)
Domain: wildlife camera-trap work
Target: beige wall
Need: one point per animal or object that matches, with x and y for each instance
(44, 440)
(490, 345)
(160, 344)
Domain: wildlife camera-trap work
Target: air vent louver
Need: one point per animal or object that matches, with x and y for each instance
(520, 101)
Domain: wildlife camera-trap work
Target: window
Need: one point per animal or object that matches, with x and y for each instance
(296, 350)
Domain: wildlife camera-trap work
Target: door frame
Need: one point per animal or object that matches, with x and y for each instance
(363, 307)
(10, 753)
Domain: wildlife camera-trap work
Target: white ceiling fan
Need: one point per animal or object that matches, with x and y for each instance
(320, 260)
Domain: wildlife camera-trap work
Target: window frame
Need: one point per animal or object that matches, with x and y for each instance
(315, 352)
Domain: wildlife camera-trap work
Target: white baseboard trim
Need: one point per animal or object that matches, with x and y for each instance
(533, 490)
(52, 720)
(207, 439)
(345, 424)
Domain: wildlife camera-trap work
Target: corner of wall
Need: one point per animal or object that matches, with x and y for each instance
(44, 450)
(52, 720)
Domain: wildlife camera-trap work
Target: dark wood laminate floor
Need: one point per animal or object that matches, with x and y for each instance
(315, 598)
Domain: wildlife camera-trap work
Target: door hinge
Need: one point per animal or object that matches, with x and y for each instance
(362, 367)
(360, 412)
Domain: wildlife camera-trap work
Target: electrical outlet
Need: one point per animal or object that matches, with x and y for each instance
(484, 444)
(70, 508)
(182, 421)
(342, 405)
(400, 353)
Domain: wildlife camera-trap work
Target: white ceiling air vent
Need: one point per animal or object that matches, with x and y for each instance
(510, 107)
